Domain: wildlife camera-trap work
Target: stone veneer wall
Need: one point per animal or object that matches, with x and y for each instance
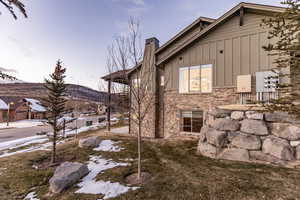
(174, 103)
(251, 136)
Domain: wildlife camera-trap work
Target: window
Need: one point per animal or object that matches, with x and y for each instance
(195, 79)
(191, 121)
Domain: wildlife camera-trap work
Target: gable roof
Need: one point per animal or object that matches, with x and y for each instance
(3, 105)
(220, 20)
(35, 105)
(185, 30)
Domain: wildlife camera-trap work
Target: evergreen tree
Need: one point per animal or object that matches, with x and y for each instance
(285, 29)
(55, 101)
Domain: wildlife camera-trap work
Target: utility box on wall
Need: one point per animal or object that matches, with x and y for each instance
(266, 81)
(244, 83)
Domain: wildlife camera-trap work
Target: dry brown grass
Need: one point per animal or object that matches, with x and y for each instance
(177, 174)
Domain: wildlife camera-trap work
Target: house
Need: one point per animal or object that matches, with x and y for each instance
(211, 62)
(24, 108)
(36, 110)
(3, 111)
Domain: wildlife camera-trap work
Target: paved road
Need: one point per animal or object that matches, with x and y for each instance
(17, 133)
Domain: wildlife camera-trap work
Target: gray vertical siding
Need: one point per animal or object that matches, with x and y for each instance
(241, 47)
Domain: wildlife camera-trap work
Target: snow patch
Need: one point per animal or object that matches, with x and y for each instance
(23, 142)
(22, 124)
(3, 105)
(35, 105)
(108, 145)
(31, 196)
(89, 185)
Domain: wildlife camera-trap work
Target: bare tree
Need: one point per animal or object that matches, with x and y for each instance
(11, 4)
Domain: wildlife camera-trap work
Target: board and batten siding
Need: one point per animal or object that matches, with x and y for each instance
(242, 52)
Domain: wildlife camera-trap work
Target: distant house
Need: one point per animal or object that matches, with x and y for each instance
(23, 108)
(3, 111)
(36, 110)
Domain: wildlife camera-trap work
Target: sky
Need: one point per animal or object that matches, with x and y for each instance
(79, 31)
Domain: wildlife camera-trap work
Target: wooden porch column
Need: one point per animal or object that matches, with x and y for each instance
(108, 105)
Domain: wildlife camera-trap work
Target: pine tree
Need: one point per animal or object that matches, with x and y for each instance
(285, 29)
(55, 101)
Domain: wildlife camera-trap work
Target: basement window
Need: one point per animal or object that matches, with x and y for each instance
(191, 121)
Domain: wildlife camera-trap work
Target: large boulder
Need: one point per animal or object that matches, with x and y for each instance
(281, 117)
(207, 150)
(219, 113)
(279, 148)
(245, 141)
(255, 127)
(237, 115)
(286, 131)
(254, 115)
(203, 132)
(235, 154)
(66, 175)
(260, 156)
(90, 142)
(226, 125)
(217, 138)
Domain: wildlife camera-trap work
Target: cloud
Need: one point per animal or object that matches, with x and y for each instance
(134, 2)
(22, 47)
(8, 70)
(133, 8)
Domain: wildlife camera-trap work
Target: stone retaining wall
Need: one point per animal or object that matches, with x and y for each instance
(250, 136)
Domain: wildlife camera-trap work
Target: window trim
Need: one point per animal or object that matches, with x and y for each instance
(181, 120)
(189, 68)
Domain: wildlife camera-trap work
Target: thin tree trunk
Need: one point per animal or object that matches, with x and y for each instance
(53, 157)
(139, 144)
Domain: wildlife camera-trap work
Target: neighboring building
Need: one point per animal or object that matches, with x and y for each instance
(201, 68)
(24, 108)
(3, 111)
(36, 110)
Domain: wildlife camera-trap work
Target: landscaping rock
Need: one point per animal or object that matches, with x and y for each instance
(207, 150)
(203, 132)
(286, 131)
(235, 154)
(258, 155)
(280, 117)
(219, 113)
(245, 141)
(217, 138)
(66, 175)
(90, 142)
(226, 125)
(254, 115)
(255, 127)
(231, 135)
(279, 148)
(237, 115)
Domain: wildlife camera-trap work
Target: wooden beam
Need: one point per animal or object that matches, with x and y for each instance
(242, 12)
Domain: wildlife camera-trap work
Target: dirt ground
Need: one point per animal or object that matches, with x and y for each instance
(178, 173)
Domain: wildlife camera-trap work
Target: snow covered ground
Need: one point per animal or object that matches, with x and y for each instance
(40, 142)
(31, 196)
(22, 124)
(97, 165)
(108, 145)
(121, 130)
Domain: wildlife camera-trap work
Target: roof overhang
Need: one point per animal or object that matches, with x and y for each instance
(258, 8)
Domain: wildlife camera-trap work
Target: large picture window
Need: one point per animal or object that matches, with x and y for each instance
(195, 79)
(191, 121)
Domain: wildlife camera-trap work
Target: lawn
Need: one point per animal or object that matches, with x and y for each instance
(177, 174)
